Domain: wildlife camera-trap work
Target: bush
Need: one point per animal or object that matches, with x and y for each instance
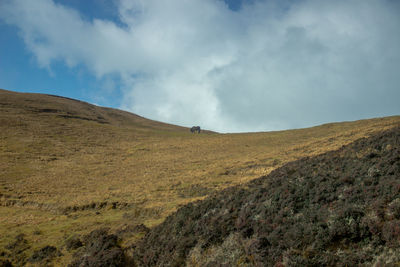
(46, 253)
(101, 249)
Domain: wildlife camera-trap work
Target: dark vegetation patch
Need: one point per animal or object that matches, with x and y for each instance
(100, 249)
(97, 206)
(73, 242)
(5, 263)
(19, 245)
(70, 115)
(16, 250)
(338, 208)
(98, 119)
(45, 254)
(10, 200)
(49, 110)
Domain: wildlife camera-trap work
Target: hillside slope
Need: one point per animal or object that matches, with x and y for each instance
(339, 208)
(68, 167)
(40, 107)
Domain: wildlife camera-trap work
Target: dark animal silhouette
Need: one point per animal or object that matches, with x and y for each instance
(195, 129)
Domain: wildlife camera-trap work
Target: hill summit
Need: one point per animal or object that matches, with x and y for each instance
(46, 107)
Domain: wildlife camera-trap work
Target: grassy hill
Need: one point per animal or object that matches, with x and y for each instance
(341, 208)
(68, 167)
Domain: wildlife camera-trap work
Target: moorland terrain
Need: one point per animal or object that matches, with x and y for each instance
(341, 208)
(68, 169)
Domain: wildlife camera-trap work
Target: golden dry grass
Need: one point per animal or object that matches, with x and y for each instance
(70, 167)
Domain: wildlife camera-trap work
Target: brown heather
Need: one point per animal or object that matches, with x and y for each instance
(340, 208)
(68, 168)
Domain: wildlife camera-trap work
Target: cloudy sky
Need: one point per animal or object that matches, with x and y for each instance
(229, 66)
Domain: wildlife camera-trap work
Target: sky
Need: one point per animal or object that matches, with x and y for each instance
(226, 65)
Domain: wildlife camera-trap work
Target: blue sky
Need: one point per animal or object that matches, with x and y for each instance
(229, 66)
(20, 72)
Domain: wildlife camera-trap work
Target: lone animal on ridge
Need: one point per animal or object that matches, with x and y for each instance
(195, 129)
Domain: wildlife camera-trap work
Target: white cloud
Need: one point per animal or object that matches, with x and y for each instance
(270, 65)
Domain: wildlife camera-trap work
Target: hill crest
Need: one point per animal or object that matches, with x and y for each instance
(69, 108)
